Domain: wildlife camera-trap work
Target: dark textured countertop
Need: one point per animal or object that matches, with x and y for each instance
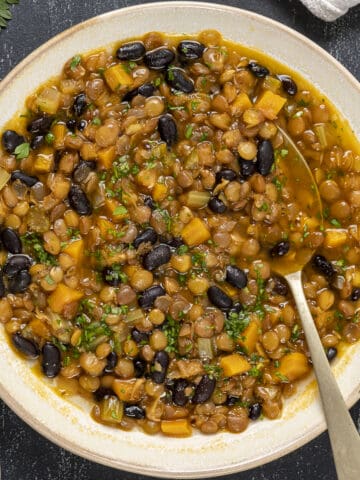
(24, 454)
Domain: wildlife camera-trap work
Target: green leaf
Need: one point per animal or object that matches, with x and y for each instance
(5, 14)
(120, 210)
(188, 131)
(22, 151)
(75, 62)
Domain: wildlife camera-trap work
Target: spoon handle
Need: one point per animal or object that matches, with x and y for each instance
(344, 438)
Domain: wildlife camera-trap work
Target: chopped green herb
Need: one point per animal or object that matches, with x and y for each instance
(335, 222)
(120, 210)
(213, 371)
(34, 244)
(171, 328)
(282, 377)
(22, 151)
(182, 249)
(75, 61)
(96, 121)
(49, 138)
(188, 131)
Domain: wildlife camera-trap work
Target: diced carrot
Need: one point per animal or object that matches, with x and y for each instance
(334, 238)
(241, 103)
(107, 156)
(195, 232)
(62, 296)
(39, 328)
(117, 77)
(128, 390)
(59, 131)
(75, 249)
(249, 337)
(293, 366)
(159, 192)
(234, 364)
(270, 104)
(180, 427)
(117, 211)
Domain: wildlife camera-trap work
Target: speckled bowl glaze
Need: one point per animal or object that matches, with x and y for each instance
(67, 423)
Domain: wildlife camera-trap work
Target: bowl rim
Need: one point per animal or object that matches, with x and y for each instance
(16, 405)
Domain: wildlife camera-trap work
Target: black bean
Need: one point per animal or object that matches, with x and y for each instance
(2, 286)
(178, 392)
(112, 275)
(80, 104)
(219, 298)
(157, 257)
(232, 400)
(134, 411)
(11, 140)
(79, 201)
(149, 202)
(190, 50)
(216, 205)
(226, 174)
(15, 264)
(102, 392)
(83, 169)
(167, 129)
(139, 337)
(147, 236)
(146, 90)
(41, 125)
(19, 282)
(255, 411)
(280, 286)
(51, 360)
(331, 353)
(204, 390)
(265, 157)
(71, 124)
(247, 168)
(159, 366)
(280, 249)
(81, 125)
(11, 240)
(131, 51)
(140, 367)
(148, 296)
(159, 59)
(258, 70)
(323, 266)
(27, 347)
(288, 84)
(111, 361)
(355, 294)
(29, 180)
(37, 141)
(175, 242)
(178, 80)
(236, 276)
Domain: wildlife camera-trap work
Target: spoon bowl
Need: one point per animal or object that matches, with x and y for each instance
(344, 438)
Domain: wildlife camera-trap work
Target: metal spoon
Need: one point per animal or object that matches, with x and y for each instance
(344, 438)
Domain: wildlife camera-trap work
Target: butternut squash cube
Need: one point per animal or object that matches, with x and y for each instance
(75, 249)
(117, 212)
(249, 337)
(270, 104)
(44, 160)
(334, 238)
(62, 296)
(117, 77)
(59, 131)
(128, 390)
(234, 364)
(293, 366)
(241, 103)
(180, 427)
(107, 156)
(159, 192)
(195, 232)
(39, 328)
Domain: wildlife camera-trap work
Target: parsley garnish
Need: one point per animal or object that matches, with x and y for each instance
(188, 131)
(34, 243)
(120, 210)
(75, 61)
(171, 328)
(22, 150)
(236, 323)
(214, 371)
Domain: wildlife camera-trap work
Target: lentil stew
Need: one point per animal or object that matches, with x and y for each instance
(142, 201)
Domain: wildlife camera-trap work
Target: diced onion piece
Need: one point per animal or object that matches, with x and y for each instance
(4, 177)
(205, 348)
(49, 100)
(320, 131)
(134, 316)
(195, 199)
(111, 410)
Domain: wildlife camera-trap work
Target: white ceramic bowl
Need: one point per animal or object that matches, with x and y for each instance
(69, 425)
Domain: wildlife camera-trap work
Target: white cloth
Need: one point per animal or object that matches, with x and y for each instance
(329, 10)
